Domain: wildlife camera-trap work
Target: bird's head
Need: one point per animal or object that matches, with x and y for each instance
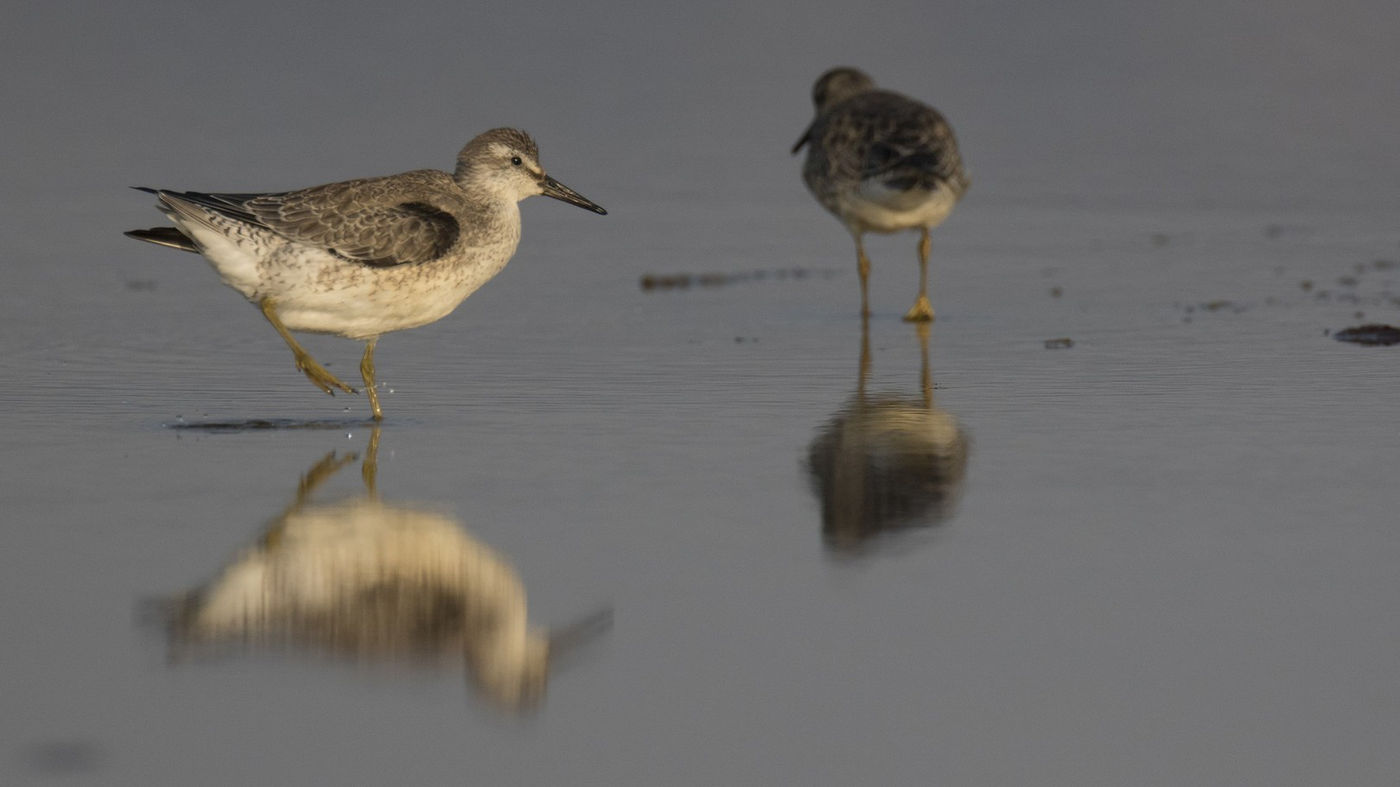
(832, 88)
(506, 162)
(837, 85)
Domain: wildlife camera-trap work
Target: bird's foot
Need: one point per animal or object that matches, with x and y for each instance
(921, 311)
(318, 375)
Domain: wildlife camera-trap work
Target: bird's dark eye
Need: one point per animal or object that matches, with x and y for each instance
(516, 160)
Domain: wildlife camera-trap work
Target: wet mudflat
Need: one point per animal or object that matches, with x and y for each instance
(1125, 514)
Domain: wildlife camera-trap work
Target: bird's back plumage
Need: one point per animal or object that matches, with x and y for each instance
(402, 219)
(888, 147)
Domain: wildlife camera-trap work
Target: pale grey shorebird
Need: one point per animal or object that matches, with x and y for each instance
(881, 162)
(365, 257)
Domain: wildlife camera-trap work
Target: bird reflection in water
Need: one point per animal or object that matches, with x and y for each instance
(886, 462)
(369, 581)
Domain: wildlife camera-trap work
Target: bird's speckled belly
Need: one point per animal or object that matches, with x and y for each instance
(331, 295)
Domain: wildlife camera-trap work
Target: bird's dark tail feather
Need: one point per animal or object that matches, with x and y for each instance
(164, 236)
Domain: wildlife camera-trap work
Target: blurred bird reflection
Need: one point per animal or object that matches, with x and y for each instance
(366, 580)
(886, 462)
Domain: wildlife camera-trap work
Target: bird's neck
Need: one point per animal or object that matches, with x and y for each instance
(492, 222)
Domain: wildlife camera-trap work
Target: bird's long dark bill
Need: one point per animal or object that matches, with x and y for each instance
(579, 633)
(806, 137)
(557, 190)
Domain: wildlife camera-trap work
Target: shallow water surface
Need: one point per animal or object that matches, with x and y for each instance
(830, 552)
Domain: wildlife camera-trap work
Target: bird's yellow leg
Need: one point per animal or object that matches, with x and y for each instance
(863, 267)
(319, 473)
(922, 310)
(369, 471)
(307, 365)
(864, 358)
(925, 376)
(314, 477)
(367, 374)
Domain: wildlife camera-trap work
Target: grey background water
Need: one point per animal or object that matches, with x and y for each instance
(1173, 560)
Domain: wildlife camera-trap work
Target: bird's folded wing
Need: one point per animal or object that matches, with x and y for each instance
(911, 147)
(397, 220)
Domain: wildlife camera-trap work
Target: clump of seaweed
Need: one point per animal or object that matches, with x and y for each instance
(1370, 335)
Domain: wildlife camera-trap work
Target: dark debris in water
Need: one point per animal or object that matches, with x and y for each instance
(1218, 305)
(654, 282)
(1222, 305)
(1359, 290)
(1370, 335)
(265, 424)
(1062, 343)
(1277, 230)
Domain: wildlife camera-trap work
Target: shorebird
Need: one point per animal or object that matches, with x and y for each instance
(881, 162)
(365, 257)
